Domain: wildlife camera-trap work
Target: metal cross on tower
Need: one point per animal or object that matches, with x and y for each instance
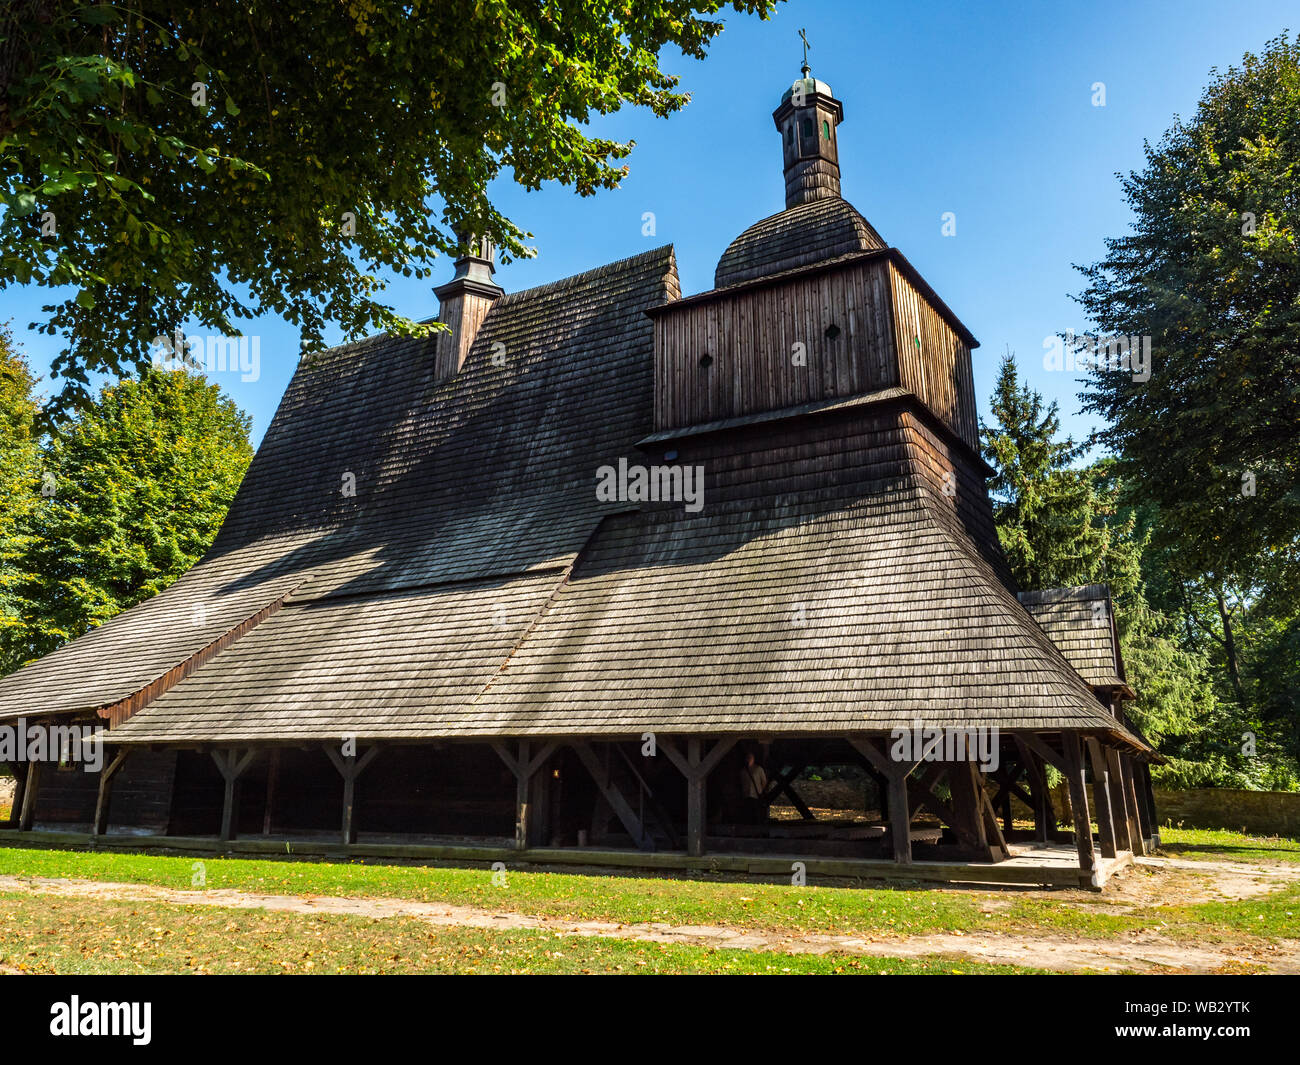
(806, 45)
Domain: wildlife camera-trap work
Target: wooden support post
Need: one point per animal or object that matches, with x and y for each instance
(966, 807)
(998, 849)
(272, 771)
(525, 766)
(610, 792)
(900, 820)
(1102, 793)
(900, 817)
(523, 780)
(1122, 769)
(1089, 875)
(1146, 805)
(350, 767)
(232, 767)
(696, 766)
(349, 830)
(1044, 816)
(20, 786)
(1119, 802)
(32, 786)
(100, 825)
(696, 797)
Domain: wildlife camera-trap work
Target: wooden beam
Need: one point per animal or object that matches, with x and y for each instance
(20, 784)
(272, 772)
(100, 825)
(611, 793)
(1044, 815)
(1089, 874)
(716, 753)
(1122, 769)
(503, 752)
(650, 805)
(696, 766)
(900, 820)
(1044, 750)
(882, 763)
(350, 766)
(32, 786)
(781, 783)
(998, 849)
(1101, 793)
(1146, 802)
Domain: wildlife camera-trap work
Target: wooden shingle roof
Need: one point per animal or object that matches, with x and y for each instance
(798, 236)
(1081, 622)
(488, 473)
(816, 613)
(474, 585)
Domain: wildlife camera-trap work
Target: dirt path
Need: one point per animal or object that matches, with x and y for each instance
(1147, 951)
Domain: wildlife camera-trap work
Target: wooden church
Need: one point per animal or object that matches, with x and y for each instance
(421, 622)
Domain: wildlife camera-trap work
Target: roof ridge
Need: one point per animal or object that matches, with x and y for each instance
(507, 298)
(1072, 593)
(586, 276)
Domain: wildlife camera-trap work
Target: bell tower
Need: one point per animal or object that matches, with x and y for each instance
(807, 119)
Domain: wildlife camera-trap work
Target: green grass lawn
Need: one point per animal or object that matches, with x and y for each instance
(1220, 844)
(54, 935)
(870, 911)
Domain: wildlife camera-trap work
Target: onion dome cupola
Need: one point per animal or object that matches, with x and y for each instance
(817, 224)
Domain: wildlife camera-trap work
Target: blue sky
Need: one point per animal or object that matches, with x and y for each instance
(984, 110)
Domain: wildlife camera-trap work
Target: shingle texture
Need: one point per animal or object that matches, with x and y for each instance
(475, 586)
(818, 613)
(489, 473)
(1081, 623)
(798, 236)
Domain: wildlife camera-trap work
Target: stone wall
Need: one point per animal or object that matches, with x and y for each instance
(1272, 813)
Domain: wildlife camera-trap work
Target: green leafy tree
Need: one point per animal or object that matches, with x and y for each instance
(1051, 517)
(1211, 272)
(143, 479)
(1063, 525)
(20, 483)
(212, 162)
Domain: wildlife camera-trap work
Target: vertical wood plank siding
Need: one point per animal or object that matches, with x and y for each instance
(933, 362)
(725, 358)
(749, 340)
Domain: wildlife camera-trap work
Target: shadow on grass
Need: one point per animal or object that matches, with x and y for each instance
(1224, 848)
